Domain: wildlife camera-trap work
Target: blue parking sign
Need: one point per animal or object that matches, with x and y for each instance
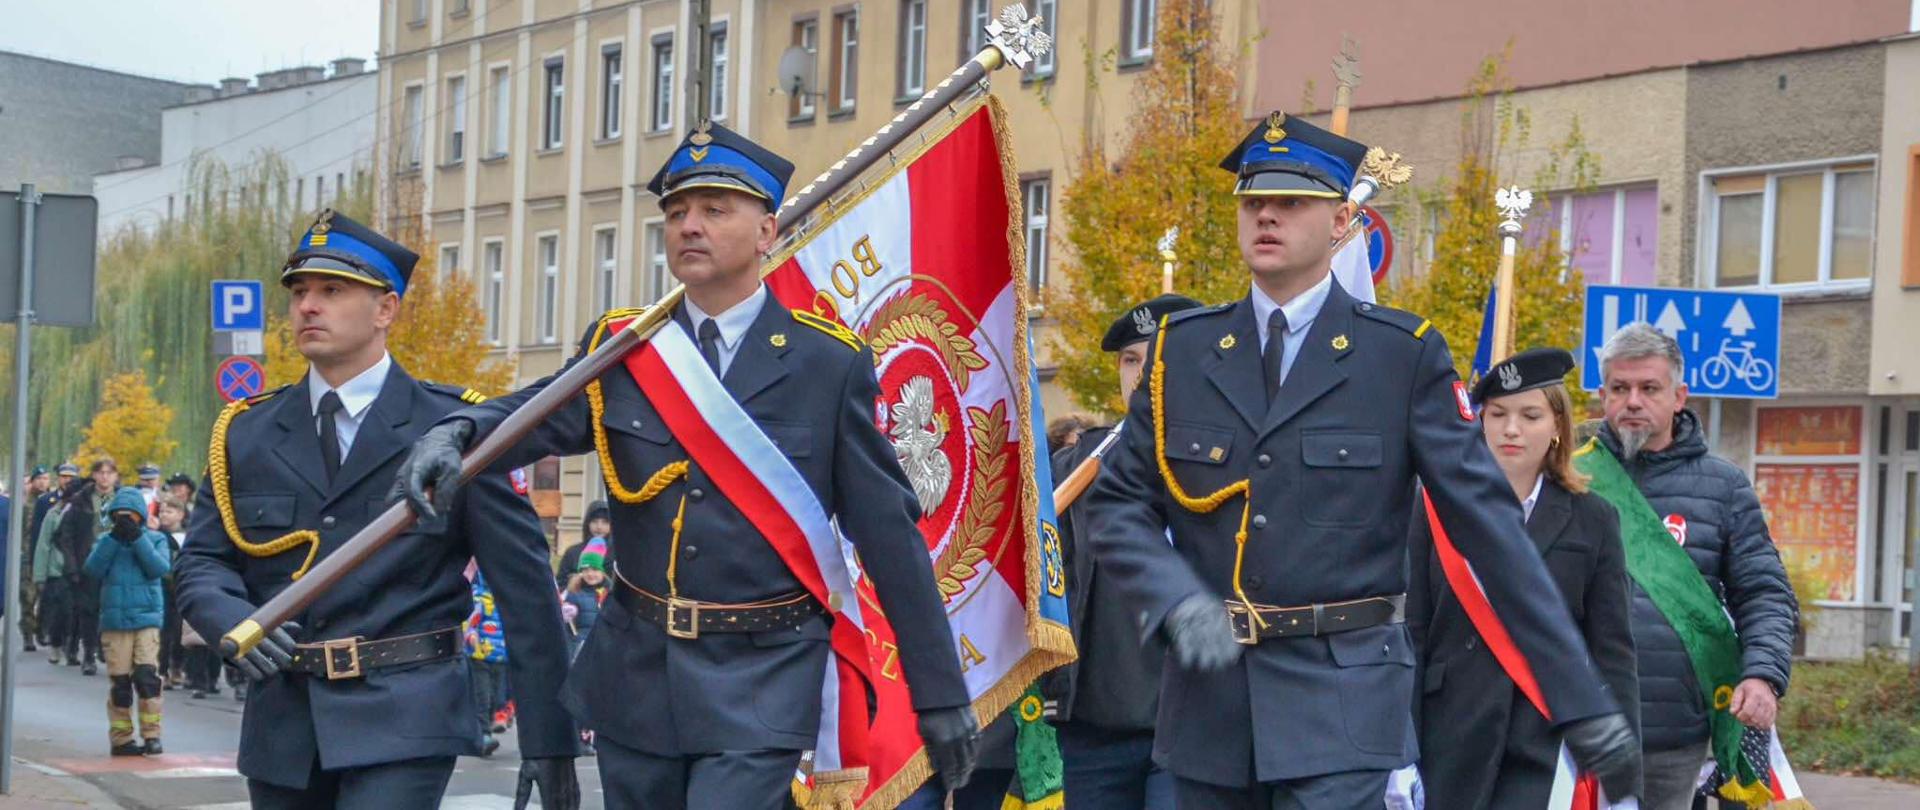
(1731, 341)
(238, 306)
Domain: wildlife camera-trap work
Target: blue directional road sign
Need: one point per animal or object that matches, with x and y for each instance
(238, 306)
(1731, 341)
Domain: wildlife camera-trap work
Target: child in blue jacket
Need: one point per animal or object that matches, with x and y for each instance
(129, 562)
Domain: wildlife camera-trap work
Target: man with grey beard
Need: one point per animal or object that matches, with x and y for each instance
(1709, 507)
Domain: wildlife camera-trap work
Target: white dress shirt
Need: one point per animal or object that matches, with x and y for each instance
(1527, 505)
(356, 398)
(1301, 311)
(733, 323)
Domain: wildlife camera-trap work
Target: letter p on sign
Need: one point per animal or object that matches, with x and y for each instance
(237, 306)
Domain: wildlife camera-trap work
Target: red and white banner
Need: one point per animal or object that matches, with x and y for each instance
(927, 265)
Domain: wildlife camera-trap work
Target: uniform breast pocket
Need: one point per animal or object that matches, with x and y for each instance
(264, 515)
(794, 440)
(1341, 486)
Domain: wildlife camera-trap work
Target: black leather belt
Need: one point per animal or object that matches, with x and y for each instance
(1314, 620)
(688, 618)
(343, 658)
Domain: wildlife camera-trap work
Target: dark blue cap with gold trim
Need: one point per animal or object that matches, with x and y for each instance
(1285, 156)
(335, 245)
(713, 156)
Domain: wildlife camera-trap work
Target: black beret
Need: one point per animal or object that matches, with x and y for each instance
(1533, 368)
(1139, 322)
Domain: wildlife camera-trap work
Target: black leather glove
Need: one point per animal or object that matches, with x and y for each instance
(126, 527)
(273, 654)
(953, 740)
(1605, 747)
(432, 470)
(1201, 636)
(559, 785)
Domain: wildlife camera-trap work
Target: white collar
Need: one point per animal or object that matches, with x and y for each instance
(1528, 504)
(1300, 310)
(357, 394)
(734, 321)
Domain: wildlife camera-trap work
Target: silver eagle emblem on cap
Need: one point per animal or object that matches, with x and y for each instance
(1143, 321)
(1509, 377)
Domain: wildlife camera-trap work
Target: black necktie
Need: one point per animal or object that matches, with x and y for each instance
(1274, 361)
(710, 344)
(330, 433)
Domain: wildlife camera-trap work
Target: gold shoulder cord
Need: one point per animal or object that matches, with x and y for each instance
(661, 478)
(1203, 505)
(217, 477)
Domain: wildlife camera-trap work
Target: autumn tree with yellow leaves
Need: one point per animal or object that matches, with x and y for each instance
(131, 426)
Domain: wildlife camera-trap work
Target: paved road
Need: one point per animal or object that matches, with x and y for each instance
(61, 726)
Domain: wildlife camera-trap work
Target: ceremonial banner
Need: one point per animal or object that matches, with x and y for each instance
(927, 266)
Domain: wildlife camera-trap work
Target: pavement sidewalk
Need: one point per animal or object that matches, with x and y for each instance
(38, 786)
(1858, 792)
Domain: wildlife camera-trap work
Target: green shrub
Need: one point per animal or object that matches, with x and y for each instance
(1859, 717)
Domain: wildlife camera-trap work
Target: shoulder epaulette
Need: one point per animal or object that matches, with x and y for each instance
(1407, 321)
(1189, 314)
(833, 329)
(263, 397)
(467, 395)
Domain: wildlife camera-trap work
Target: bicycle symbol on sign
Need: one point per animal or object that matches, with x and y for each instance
(1736, 362)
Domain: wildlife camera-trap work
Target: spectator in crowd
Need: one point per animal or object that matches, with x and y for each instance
(149, 484)
(586, 589)
(171, 514)
(129, 561)
(1065, 431)
(73, 536)
(1710, 508)
(30, 495)
(181, 487)
(1527, 418)
(31, 562)
(598, 525)
(50, 568)
(487, 646)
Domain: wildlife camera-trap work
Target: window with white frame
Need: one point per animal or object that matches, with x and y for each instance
(612, 78)
(449, 260)
(974, 15)
(1798, 227)
(717, 94)
(604, 260)
(806, 37)
(456, 119)
(413, 112)
(1137, 18)
(1037, 203)
(1607, 235)
(846, 60)
(913, 48)
(419, 14)
(662, 118)
(547, 253)
(555, 106)
(493, 259)
(501, 80)
(656, 277)
(1042, 64)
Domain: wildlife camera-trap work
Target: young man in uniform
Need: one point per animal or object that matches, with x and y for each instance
(702, 679)
(363, 702)
(1279, 436)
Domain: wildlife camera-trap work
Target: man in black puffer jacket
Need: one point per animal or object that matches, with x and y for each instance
(1710, 507)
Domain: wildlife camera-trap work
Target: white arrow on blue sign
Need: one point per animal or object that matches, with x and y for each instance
(238, 306)
(1730, 341)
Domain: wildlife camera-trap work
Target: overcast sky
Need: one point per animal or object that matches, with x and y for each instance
(197, 41)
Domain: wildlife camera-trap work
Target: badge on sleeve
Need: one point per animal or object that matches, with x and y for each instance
(1461, 399)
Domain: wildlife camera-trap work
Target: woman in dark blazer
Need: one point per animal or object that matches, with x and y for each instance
(1482, 744)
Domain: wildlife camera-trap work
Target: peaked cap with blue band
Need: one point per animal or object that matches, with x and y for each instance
(712, 156)
(335, 245)
(1285, 156)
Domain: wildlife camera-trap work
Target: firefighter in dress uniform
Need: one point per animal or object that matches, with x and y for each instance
(702, 679)
(1279, 436)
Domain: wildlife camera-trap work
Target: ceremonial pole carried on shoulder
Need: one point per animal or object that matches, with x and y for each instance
(1012, 39)
(1513, 203)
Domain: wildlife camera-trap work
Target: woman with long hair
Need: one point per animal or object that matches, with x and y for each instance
(1482, 744)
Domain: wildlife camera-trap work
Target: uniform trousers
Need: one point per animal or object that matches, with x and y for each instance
(731, 780)
(410, 784)
(985, 790)
(1112, 768)
(1348, 790)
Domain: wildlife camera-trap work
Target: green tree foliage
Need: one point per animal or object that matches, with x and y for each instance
(1117, 206)
(1466, 248)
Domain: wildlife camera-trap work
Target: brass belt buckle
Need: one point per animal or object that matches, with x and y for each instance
(352, 648)
(1246, 631)
(676, 607)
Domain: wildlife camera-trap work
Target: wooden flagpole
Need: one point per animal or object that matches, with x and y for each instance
(1513, 203)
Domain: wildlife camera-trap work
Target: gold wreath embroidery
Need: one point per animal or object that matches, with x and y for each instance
(916, 316)
(959, 562)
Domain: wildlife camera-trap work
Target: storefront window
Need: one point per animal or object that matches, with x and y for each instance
(1807, 473)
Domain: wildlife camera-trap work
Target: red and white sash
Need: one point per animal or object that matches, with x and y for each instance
(757, 478)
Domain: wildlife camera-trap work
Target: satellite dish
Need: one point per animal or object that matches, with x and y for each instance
(796, 72)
